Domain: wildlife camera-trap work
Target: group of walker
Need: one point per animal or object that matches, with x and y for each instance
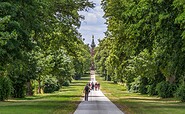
(94, 86)
(91, 86)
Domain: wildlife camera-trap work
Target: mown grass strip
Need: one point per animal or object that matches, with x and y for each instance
(133, 103)
(64, 101)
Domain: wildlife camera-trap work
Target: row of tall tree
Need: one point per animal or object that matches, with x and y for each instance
(144, 46)
(40, 47)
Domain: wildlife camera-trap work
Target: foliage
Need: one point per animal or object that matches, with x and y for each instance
(51, 85)
(139, 85)
(63, 68)
(151, 89)
(63, 102)
(138, 103)
(40, 38)
(145, 39)
(135, 85)
(102, 52)
(81, 60)
(5, 88)
(180, 93)
(66, 83)
(165, 89)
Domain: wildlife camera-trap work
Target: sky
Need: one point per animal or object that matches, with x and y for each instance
(94, 24)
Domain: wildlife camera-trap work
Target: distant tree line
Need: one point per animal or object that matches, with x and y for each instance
(144, 46)
(40, 47)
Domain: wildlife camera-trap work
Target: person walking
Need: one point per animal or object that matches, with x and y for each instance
(96, 86)
(92, 84)
(86, 91)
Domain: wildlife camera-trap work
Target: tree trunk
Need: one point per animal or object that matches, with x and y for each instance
(29, 91)
(39, 86)
(171, 79)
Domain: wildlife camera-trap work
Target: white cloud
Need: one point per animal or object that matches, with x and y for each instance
(89, 30)
(92, 18)
(93, 23)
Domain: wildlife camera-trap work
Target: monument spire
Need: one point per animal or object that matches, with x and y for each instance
(93, 45)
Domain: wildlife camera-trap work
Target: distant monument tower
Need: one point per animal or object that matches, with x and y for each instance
(92, 53)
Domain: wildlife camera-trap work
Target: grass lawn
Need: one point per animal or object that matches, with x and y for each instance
(63, 102)
(133, 103)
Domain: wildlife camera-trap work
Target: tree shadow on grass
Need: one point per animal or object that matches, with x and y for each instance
(149, 105)
(38, 107)
(150, 99)
(35, 98)
(81, 82)
(61, 96)
(23, 99)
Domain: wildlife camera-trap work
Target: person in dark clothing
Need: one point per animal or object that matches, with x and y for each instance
(92, 84)
(96, 86)
(86, 91)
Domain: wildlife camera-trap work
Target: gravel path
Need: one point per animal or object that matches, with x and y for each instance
(97, 103)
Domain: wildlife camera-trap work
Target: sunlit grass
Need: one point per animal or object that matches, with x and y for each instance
(64, 101)
(133, 103)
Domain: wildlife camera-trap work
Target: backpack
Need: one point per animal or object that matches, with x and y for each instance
(86, 88)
